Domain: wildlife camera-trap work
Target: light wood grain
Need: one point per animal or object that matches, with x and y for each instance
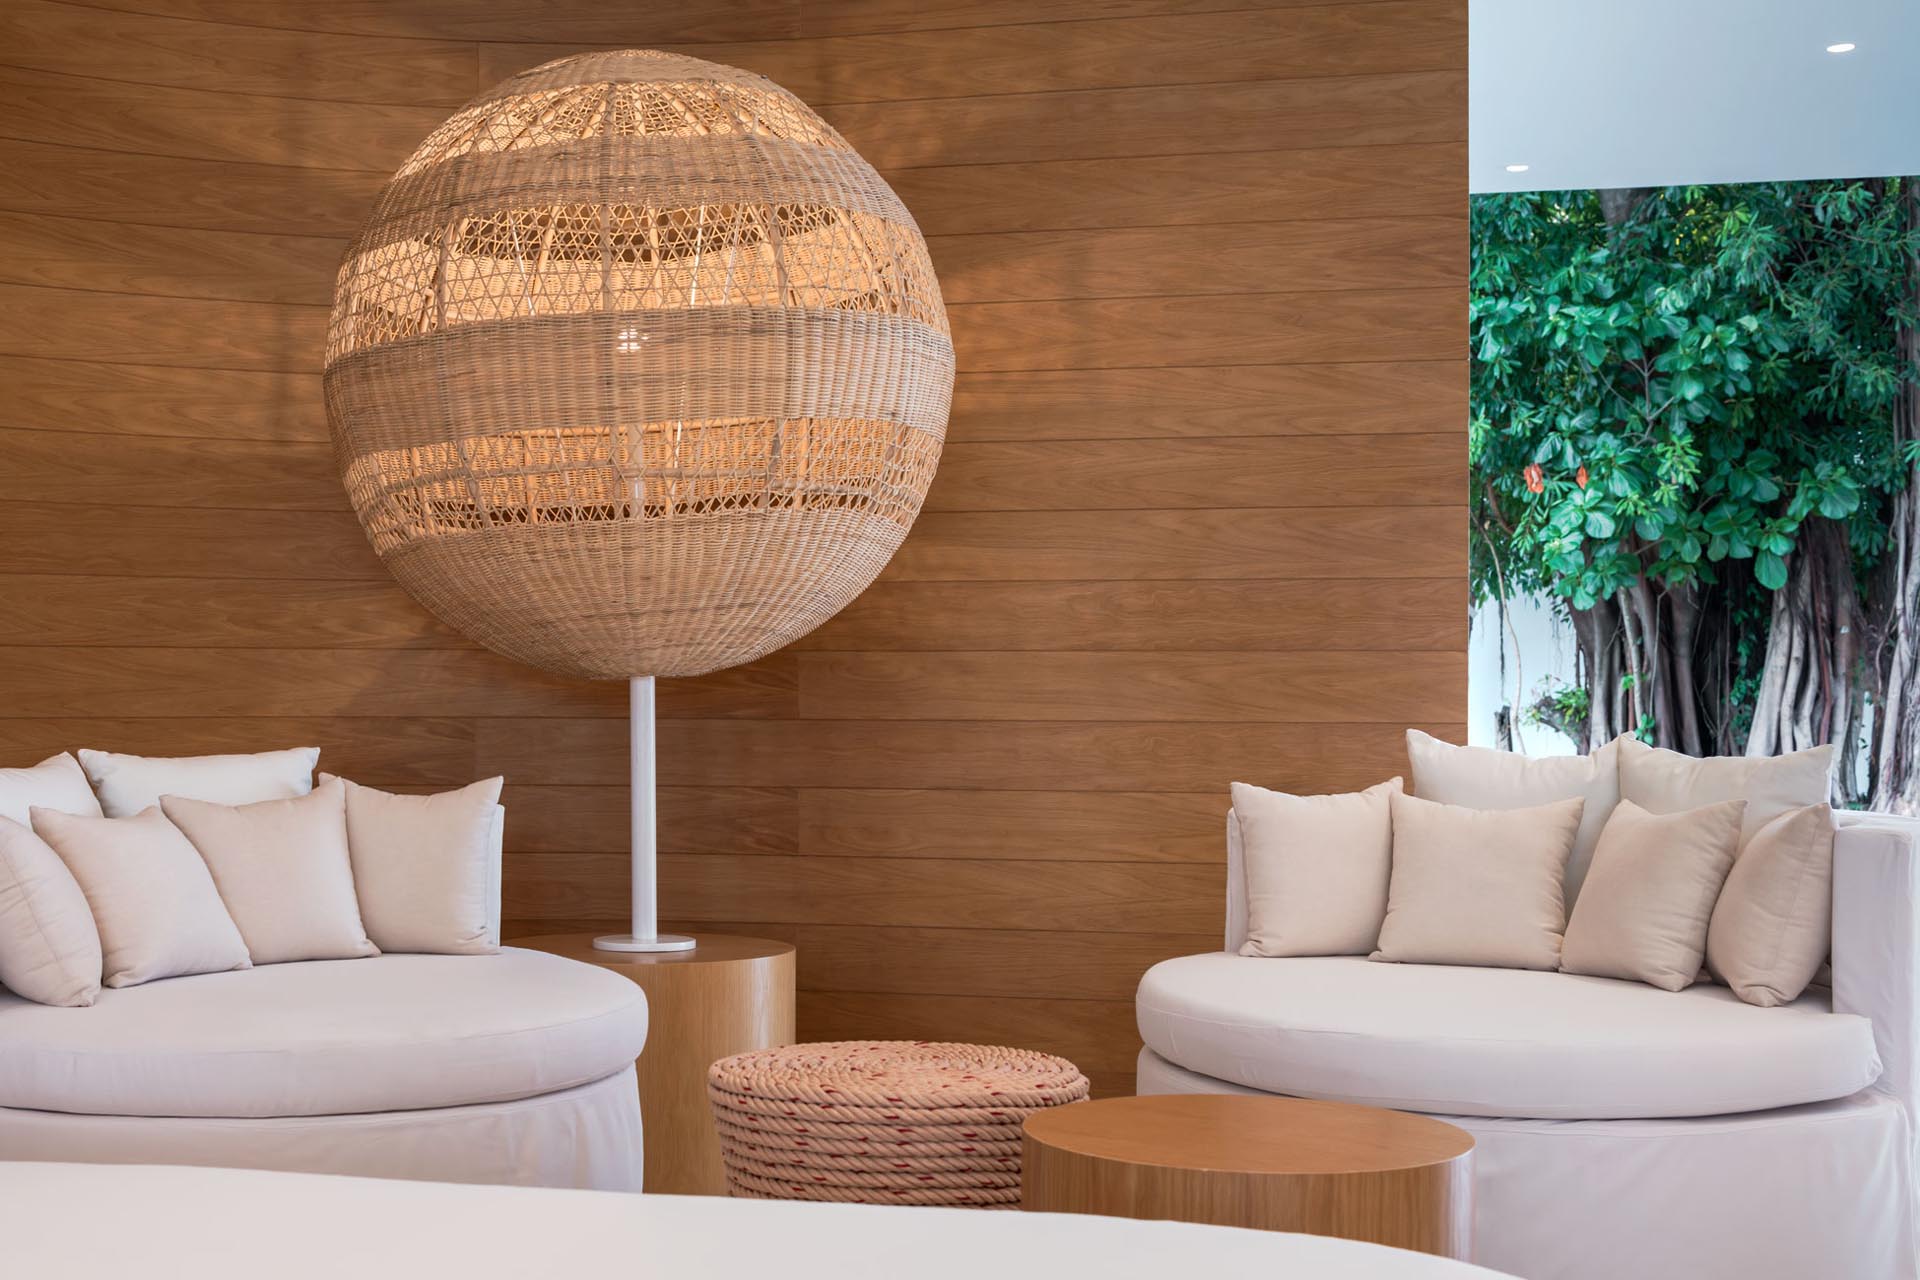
(1276, 1164)
(1208, 274)
(728, 995)
(1219, 688)
(1250, 615)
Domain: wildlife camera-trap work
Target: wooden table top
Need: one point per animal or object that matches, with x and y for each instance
(1233, 1134)
(709, 948)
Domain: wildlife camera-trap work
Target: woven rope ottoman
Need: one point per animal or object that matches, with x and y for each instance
(883, 1121)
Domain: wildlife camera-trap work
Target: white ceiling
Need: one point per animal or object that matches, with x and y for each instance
(1637, 93)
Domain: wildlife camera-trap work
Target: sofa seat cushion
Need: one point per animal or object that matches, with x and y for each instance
(326, 1037)
(1496, 1042)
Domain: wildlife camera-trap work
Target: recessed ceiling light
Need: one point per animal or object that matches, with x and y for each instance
(1518, 168)
(1845, 46)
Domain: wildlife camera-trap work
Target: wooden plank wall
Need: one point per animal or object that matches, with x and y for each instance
(1201, 516)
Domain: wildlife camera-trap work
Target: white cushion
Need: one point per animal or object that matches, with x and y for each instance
(282, 869)
(1317, 869)
(1481, 778)
(1495, 1042)
(425, 867)
(324, 1037)
(1661, 781)
(152, 899)
(57, 782)
(128, 784)
(49, 947)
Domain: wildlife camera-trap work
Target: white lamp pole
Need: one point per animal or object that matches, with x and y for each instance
(646, 935)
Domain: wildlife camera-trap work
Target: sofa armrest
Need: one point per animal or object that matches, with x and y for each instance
(1876, 955)
(496, 842)
(1236, 885)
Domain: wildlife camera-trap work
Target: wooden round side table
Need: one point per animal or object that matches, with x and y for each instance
(1281, 1164)
(726, 996)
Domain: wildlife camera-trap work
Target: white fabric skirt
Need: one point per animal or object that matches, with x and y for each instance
(1824, 1190)
(587, 1137)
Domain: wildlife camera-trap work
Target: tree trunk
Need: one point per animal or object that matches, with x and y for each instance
(1807, 694)
(1896, 633)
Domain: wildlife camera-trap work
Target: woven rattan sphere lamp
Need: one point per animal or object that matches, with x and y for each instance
(637, 370)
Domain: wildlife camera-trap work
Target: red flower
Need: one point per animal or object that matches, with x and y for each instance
(1536, 478)
(1580, 476)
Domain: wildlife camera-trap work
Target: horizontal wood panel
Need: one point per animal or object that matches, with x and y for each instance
(1226, 688)
(129, 612)
(1268, 614)
(998, 756)
(111, 115)
(564, 819)
(1225, 258)
(1242, 471)
(132, 329)
(234, 58)
(56, 538)
(88, 397)
(57, 466)
(1018, 964)
(400, 683)
(581, 21)
(171, 191)
(1259, 328)
(951, 893)
(1098, 1036)
(132, 258)
(421, 750)
(1427, 180)
(1158, 120)
(1051, 546)
(1247, 400)
(971, 61)
(1042, 825)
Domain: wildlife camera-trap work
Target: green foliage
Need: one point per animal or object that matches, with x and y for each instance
(1685, 389)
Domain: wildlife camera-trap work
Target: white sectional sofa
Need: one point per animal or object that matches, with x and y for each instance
(1621, 1130)
(510, 1068)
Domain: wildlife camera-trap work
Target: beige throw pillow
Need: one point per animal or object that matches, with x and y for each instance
(1662, 781)
(1774, 920)
(283, 871)
(1650, 894)
(1478, 886)
(1316, 868)
(129, 784)
(58, 782)
(49, 948)
(152, 898)
(1479, 778)
(424, 869)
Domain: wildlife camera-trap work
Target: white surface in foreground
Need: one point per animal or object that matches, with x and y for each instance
(83, 1222)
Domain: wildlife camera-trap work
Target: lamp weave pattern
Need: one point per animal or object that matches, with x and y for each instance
(883, 1121)
(637, 368)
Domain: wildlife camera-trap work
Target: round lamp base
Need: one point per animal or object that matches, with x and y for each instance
(627, 942)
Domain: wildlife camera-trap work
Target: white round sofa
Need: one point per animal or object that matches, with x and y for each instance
(510, 1068)
(1620, 1129)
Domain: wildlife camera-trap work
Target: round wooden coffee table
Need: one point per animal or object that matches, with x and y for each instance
(1281, 1164)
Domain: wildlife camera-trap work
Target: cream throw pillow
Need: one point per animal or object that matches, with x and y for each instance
(1478, 886)
(283, 871)
(1479, 778)
(57, 782)
(1661, 781)
(1317, 869)
(423, 866)
(1773, 922)
(129, 784)
(49, 948)
(1650, 894)
(152, 898)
